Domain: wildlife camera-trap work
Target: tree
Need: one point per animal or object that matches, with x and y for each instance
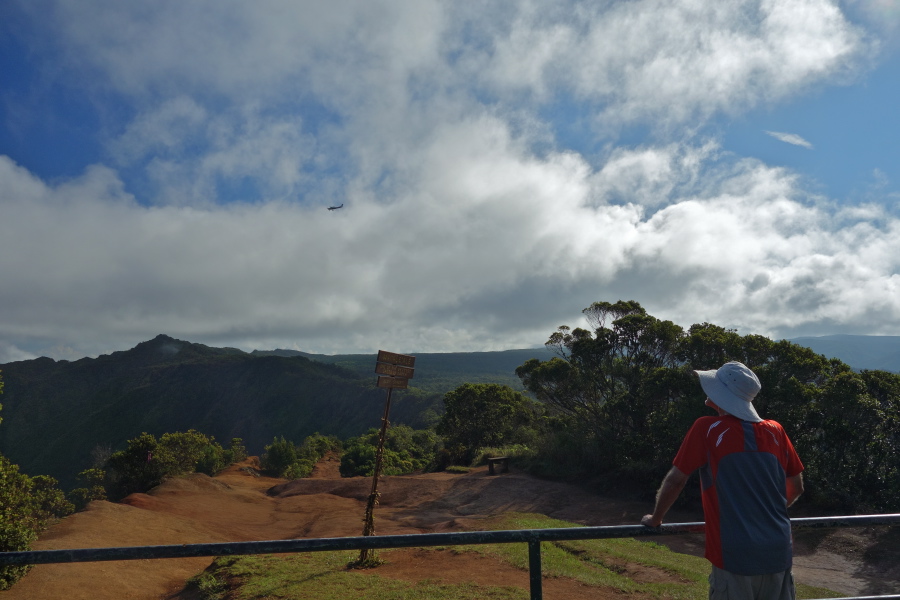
(141, 466)
(27, 506)
(619, 378)
(852, 442)
(405, 450)
(18, 524)
(186, 449)
(478, 415)
(238, 450)
(146, 462)
(285, 459)
(279, 456)
(93, 489)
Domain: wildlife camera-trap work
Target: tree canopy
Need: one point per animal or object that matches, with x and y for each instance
(477, 415)
(624, 395)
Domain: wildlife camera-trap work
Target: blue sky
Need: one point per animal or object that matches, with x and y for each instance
(166, 168)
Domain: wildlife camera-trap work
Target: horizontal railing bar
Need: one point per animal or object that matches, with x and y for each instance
(891, 597)
(34, 557)
(845, 521)
(344, 543)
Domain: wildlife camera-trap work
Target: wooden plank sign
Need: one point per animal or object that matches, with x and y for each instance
(400, 383)
(404, 360)
(384, 368)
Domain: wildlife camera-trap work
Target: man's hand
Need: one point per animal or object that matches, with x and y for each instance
(665, 497)
(649, 521)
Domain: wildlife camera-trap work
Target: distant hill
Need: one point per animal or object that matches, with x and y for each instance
(438, 372)
(873, 352)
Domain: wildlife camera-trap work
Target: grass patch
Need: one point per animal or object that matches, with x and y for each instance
(457, 469)
(628, 566)
(810, 591)
(325, 576)
(517, 451)
(209, 585)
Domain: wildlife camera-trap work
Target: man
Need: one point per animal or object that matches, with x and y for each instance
(749, 475)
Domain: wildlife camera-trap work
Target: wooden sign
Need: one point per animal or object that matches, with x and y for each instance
(400, 383)
(404, 360)
(384, 368)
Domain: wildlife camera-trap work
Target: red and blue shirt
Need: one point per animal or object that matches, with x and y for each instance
(744, 468)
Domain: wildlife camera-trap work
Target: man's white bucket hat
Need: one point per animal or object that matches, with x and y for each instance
(732, 387)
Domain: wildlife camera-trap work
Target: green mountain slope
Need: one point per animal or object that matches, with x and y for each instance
(56, 413)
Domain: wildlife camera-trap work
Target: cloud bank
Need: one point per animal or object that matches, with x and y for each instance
(485, 154)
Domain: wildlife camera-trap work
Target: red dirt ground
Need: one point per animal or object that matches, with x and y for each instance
(241, 505)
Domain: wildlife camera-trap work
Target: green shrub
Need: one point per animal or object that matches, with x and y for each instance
(27, 506)
(279, 456)
(359, 460)
(213, 459)
(316, 446)
(146, 462)
(283, 458)
(185, 449)
(298, 470)
(94, 488)
(237, 451)
(405, 450)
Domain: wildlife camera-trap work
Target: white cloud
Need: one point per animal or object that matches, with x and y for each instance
(790, 138)
(467, 224)
(673, 61)
(489, 230)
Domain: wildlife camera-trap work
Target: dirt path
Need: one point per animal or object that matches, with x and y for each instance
(240, 505)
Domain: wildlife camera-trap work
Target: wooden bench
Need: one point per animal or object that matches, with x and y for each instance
(502, 460)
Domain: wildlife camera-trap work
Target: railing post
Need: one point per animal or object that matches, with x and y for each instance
(534, 569)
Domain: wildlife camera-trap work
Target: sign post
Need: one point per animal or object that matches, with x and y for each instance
(394, 372)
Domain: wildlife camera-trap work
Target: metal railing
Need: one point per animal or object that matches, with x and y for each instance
(532, 537)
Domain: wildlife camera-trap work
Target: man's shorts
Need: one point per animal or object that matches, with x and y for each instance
(728, 586)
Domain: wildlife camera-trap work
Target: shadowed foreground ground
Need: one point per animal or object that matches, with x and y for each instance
(240, 505)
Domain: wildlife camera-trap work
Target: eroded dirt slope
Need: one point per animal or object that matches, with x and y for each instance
(240, 505)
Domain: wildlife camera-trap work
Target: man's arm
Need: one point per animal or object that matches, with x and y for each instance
(666, 496)
(794, 488)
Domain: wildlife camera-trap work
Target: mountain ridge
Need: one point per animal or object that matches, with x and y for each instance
(58, 414)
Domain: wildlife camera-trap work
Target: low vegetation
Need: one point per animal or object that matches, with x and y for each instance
(406, 450)
(283, 458)
(146, 462)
